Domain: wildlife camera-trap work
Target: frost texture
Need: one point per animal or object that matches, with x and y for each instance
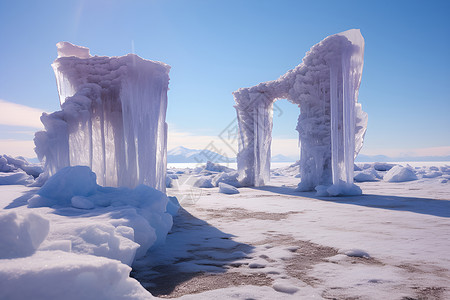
(112, 118)
(331, 124)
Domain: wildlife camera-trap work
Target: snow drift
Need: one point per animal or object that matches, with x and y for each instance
(124, 223)
(112, 118)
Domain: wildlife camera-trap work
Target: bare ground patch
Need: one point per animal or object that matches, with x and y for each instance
(201, 282)
(240, 213)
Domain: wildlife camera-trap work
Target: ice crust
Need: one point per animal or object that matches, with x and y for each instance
(331, 124)
(112, 118)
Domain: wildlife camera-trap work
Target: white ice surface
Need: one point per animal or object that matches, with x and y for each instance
(403, 226)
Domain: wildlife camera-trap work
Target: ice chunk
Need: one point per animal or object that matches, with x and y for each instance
(210, 166)
(228, 178)
(16, 177)
(366, 175)
(82, 202)
(66, 49)
(204, 182)
(331, 124)
(21, 235)
(69, 276)
(227, 189)
(9, 164)
(169, 183)
(433, 174)
(382, 166)
(355, 253)
(112, 118)
(400, 174)
(69, 182)
(339, 189)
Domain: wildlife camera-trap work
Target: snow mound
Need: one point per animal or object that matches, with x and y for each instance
(21, 235)
(210, 166)
(140, 218)
(382, 166)
(230, 178)
(400, 174)
(340, 189)
(16, 177)
(66, 49)
(355, 253)
(69, 182)
(204, 182)
(227, 189)
(69, 276)
(169, 182)
(366, 175)
(10, 164)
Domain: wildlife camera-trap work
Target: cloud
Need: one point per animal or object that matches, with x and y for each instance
(431, 151)
(17, 148)
(20, 115)
(224, 146)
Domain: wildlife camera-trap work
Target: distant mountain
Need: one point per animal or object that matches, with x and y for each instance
(384, 158)
(181, 154)
(283, 158)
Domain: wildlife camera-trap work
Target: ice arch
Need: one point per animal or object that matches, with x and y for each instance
(112, 118)
(331, 124)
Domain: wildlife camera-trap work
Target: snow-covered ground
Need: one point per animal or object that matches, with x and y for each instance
(393, 242)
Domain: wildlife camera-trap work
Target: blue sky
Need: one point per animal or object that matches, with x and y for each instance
(216, 47)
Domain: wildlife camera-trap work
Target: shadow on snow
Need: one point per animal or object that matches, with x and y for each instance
(193, 248)
(427, 206)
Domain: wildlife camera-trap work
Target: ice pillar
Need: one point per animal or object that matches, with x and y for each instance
(331, 125)
(112, 118)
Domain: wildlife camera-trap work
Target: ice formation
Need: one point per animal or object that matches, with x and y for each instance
(112, 118)
(331, 124)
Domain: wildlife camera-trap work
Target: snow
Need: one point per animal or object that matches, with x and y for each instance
(230, 178)
(11, 164)
(204, 182)
(269, 242)
(227, 189)
(112, 118)
(369, 174)
(69, 182)
(331, 124)
(400, 174)
(16, 177)
(61, 275)
(21, 235)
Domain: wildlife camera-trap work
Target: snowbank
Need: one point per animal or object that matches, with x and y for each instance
(204, 182)
(230, 178)
(227, 189)
(21, 235)
(139, 218)
(16, 177)
(10, 164)
(400, 174)
(366, 175)
(61, 275)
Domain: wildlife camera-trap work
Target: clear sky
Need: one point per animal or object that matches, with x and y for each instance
(216, 47)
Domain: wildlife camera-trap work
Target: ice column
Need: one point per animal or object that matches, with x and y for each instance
(331, 124)
(112, 118)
